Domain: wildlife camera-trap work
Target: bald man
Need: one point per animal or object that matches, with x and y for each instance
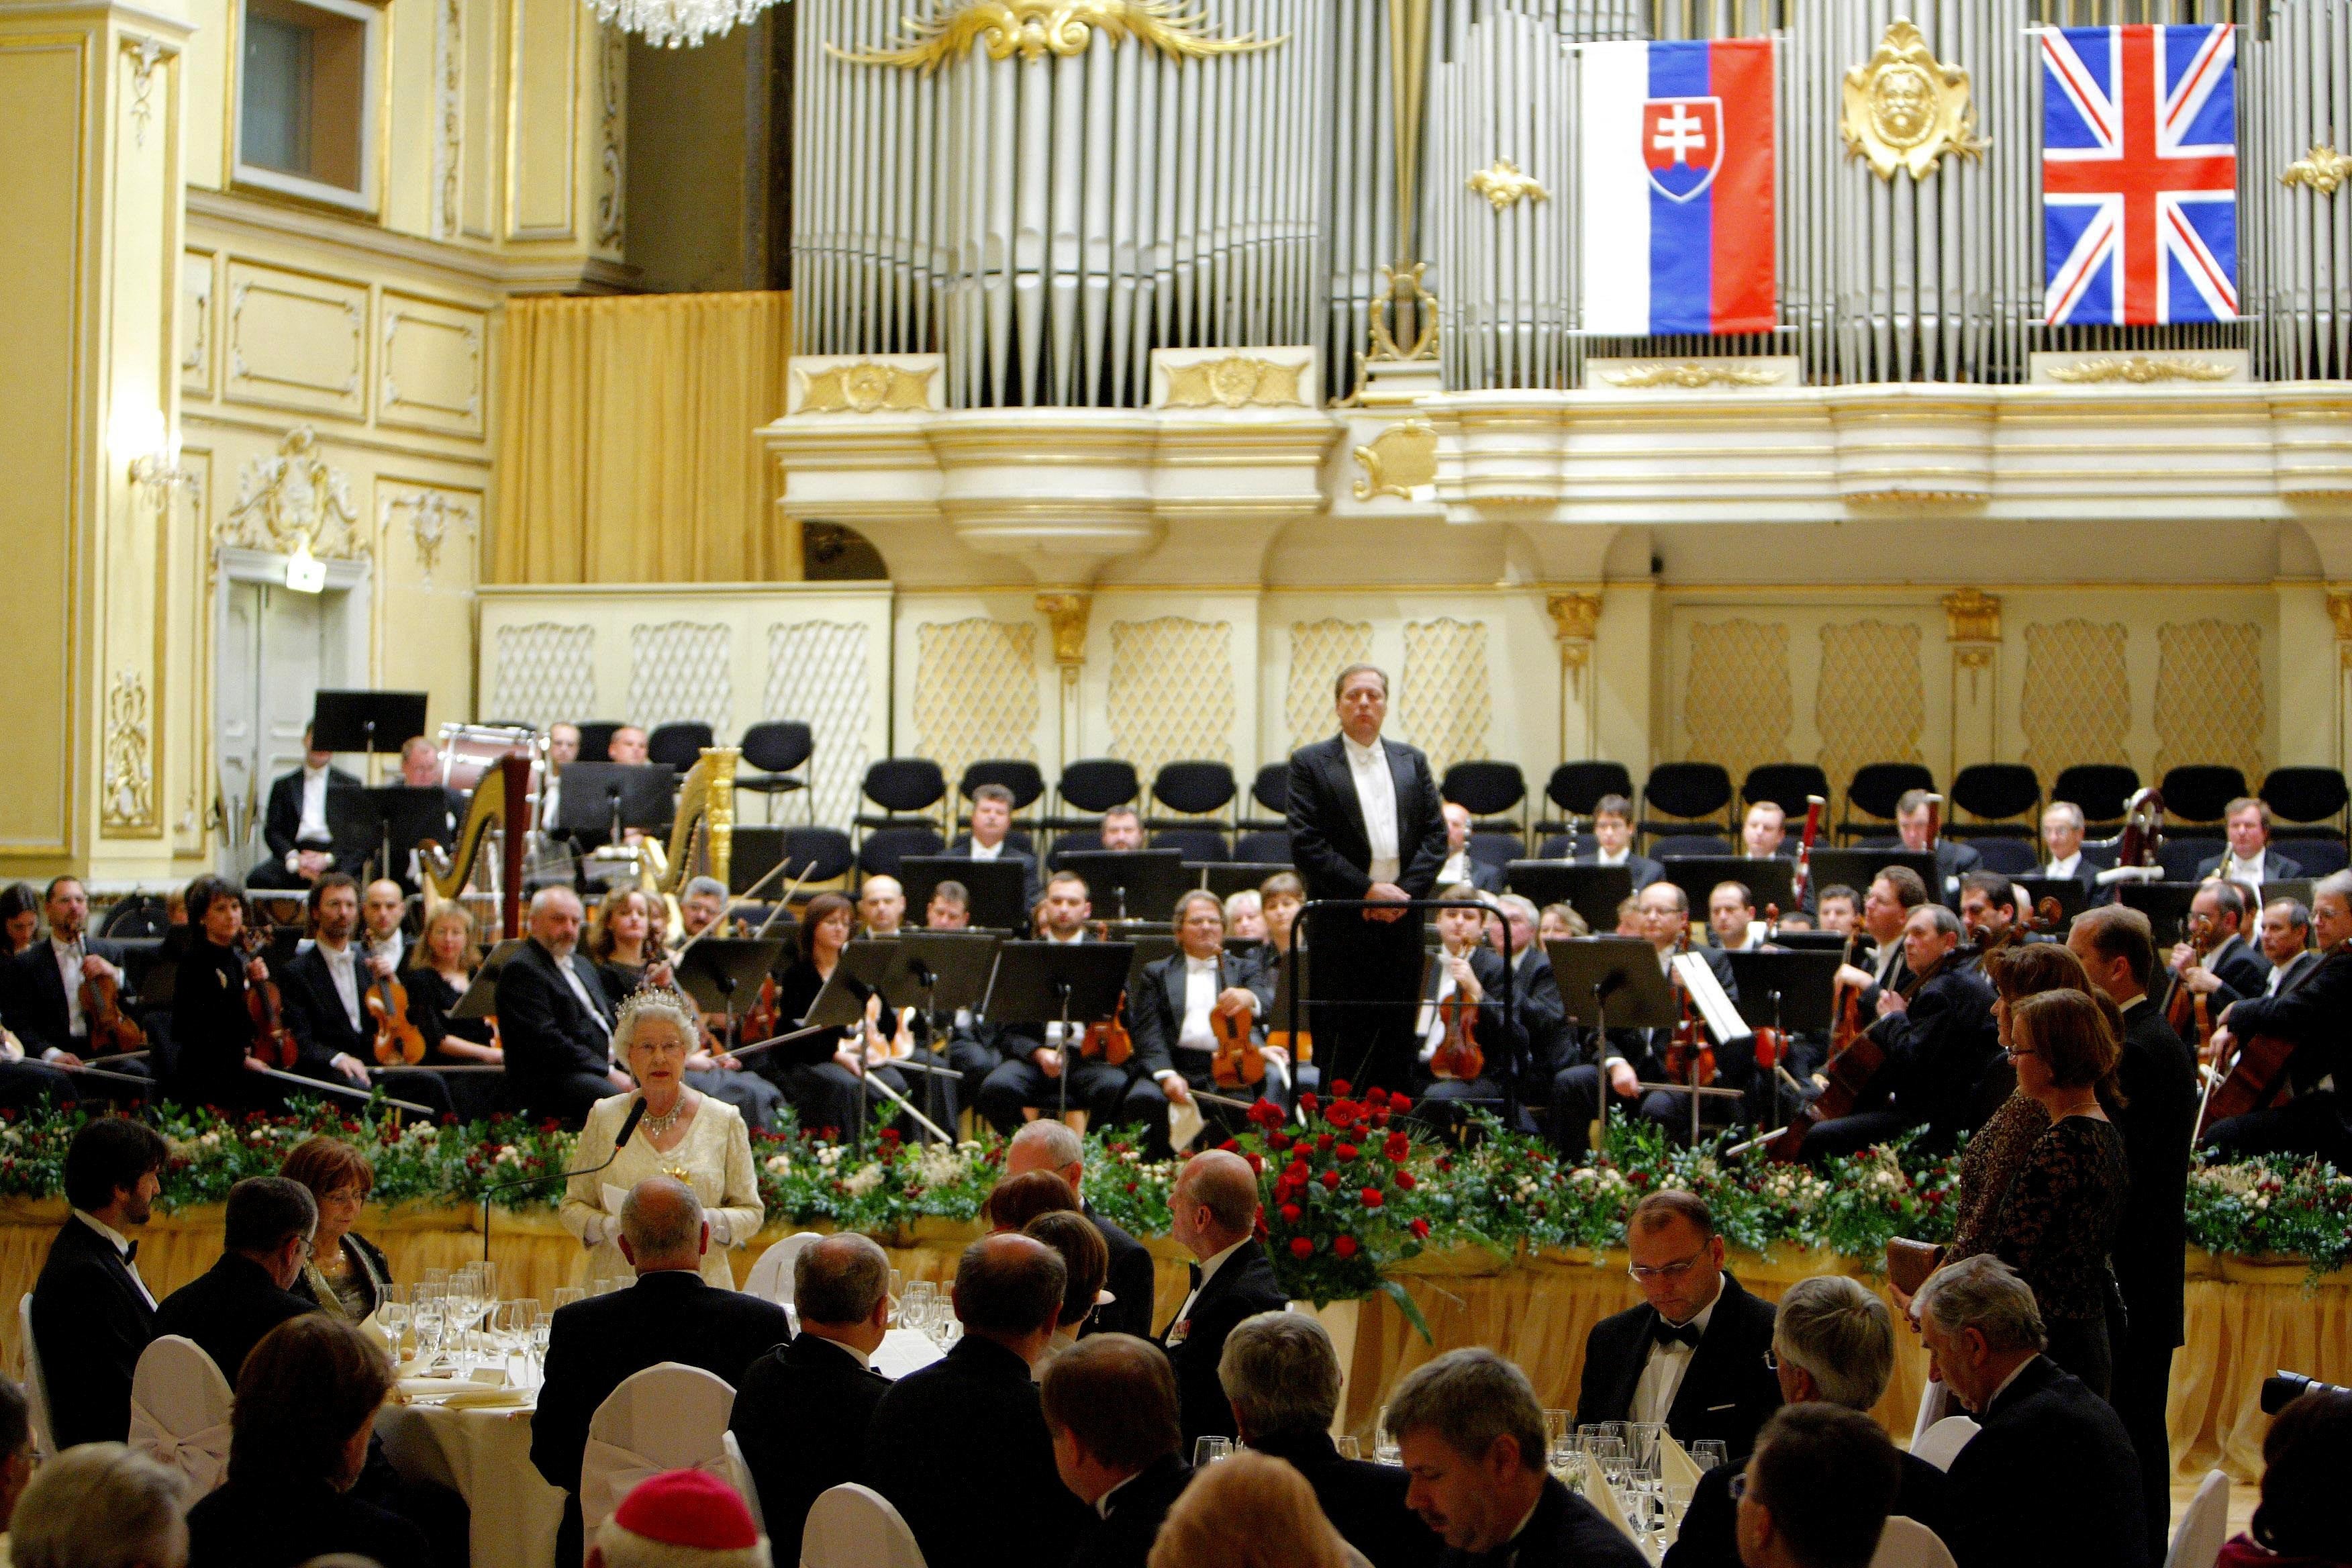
(882, 906)
(1213, 1216)
(554, 1018)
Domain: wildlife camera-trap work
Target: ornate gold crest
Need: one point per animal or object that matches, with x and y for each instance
(2322, 169)
(1505, 184)
(1035, 28)
(1906, 108)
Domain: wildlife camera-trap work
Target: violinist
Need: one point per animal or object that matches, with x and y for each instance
(950, 909)
(2217, 962)
(325, 985)
(55, 982)
(2286, 945)
(702, 903)
(1462, 978)
(624, 939)
(820, 1076)
(1245, 917)
(383, 910)
(1943, 1068)
(210, 1024)
(975, 1046)
(2315, 1020)
(20, 919)
(441, 965)
(1028, 1082)
(1731, 922)
(1176, 1013)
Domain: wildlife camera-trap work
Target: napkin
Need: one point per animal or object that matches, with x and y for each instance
(1675, 1466)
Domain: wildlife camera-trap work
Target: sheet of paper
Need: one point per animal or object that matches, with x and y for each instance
(615, 1198)
(1185, 1124)
(1722, 1014)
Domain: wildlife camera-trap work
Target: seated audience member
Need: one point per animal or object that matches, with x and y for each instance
(681, 1518)
(306, 1405)
(1833, 1343)
(16, 1456)
(267, 1227)
(101, 1505)
(92, 1314)
(1470, 1434)
(1817, 1492)
(1282, 1377)
(1213, 1213)
(2300, 1521)
(1048, 1145)
(1084, 1257)
(802, 1410)
(1017, 1200)
(1693, 1356)
(1249, 1511)
(670, 1314)
(1110, 1405)
(960, 1448)
(1984, 1332)
(344, 1273)
(555, 1020)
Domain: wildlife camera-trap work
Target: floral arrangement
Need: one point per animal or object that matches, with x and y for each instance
(1343, 1199)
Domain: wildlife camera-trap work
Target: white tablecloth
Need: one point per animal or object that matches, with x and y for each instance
(904, 1351)
(484, 1454)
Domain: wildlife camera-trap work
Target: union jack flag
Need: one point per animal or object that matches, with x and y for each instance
(2139, 175)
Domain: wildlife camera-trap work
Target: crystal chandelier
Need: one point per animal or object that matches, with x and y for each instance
(673, 23)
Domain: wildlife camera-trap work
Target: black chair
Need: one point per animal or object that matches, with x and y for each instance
(1786, 785)
(140, 915)
(1192, 790)
(901, 786)
(1688, 844)
(2307, 802)
(1991, 791)
(1264, 846)
(1197, 843)
(883, 848)
(2097, 789)
(1486, 789)
(1685, 795)
(2321, 857)
(1577, 787)
(1270, 792)
(2200, 793)
(2179, 857)
(595, 737)
(777, 747)
(1093, 786)
(1872, 791)
(679, 744)
(1496, 850)
(824, 853)
(2009, 857)
(1021, 778)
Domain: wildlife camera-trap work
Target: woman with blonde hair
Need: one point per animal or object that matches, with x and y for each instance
(1248, 1511)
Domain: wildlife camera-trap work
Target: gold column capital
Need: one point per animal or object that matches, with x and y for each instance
(1066, 611)
(1972, 615)
(2339, 610)
(1574, 616)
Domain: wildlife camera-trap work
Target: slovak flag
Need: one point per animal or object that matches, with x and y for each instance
(2139, 175)
(1677, 175)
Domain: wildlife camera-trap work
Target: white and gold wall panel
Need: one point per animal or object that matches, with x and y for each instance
(975, 693)
(680, 672)
(296, 341)
(1170, 695)
(821, 672)
(434, 362)
(199, 329)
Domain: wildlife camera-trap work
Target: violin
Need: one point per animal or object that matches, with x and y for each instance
(398, 1040)
(761, 1023)
(1107, 1041)
(111, 1028)
(1690, 1055)
(273, 1042)
(1239, 1059)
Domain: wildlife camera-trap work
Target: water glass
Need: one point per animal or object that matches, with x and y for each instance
(897, 1295)
(430, 1325)
(392, 1310)
(567, 1294)
(1645, 1447)
(1386, 1452)
(1709, 1452)
(1207, 1451)
(1348, 1448)
(603, 1285)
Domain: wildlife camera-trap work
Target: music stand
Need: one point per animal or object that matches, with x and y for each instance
(717, 970)
(481, 997)
(2166, 905)
(372, 722)
(1226, 878)
(1597, 974)
(1151, 947)
(1592, 891)
(1766, 882)
(1811, 942)
(2071, 896)
(1857, 869)
(1787, 991)
(406, 816)
(937, 972)
(2296, 887)
(646, 792)
(1129, 884)
(997, 890)
(1068, 983)
(754, 854)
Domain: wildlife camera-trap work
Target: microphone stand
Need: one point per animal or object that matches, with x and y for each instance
(628, 1127)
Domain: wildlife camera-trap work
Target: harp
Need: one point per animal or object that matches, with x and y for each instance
(499, 804)
(701, 833)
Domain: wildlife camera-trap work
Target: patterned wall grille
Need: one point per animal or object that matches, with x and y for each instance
(1171, 692)
(2209, 697)
(1444, 704)
(1736, 703)
(1319, 650)
(975, 692)
(817, 674)
(1871, 705)
(2076, 706)
(678, 671)
(544, 672)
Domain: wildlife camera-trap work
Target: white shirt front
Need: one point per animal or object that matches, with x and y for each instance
(121, 1245)
(1376, 793)
(2247, 871)
(343, 966)
(1662, 1375)
(394, 947)
(571, 979)
(1201, 977)
(987, 851)
(68, 955)
(312, 828)
(1053, 1031)
(1456, 869)
(2070, 867)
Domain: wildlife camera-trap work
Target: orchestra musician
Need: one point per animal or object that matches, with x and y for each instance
(1945, 1069)
(2286, 947)
(210, 1022)
(562, 751)
(975, 1045)
(1461, 865)
(2062, 839)
(1172, 1013)
(383, 909)
(441, 965)
(950, 909)
(699, 905)
(627, 747)
(1839, 908)
(1462, 967)
(1731, 922)
(1954, 860)
(323, 985)
(2217, 957)
(881, 906)
(2316, 1019)
(1886, 909)
(1987, 910)
(318, 819)
(1559, 922)
(1365, 824)
(1246, 916)
(1535, 1002)
(820, 1076)
(992, 822)
(1121, 829)
(1612, 837)
(420, 768)
(1027, 1083)
(43, 986)
(1764, 833)
(20, 917)
(2250, 859)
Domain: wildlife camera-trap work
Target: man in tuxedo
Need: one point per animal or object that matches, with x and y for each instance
(1123, 829)
(1886, 909)
(1461, 865)
(991, 820)
(2158, 1077)
(2316, 1018)
(1365, 823)
(2048, 1476)
(1028, 1082)
(554, 1019)
(1470, 1435)
(318, 820)
(1731, 922)
(2285, 941)
(1693, 1356)
(420, 768)
(323, 985)
(1944, 1070)
(43, 993)
(802, 1408)
(562, 751)
(1612, 837)
(1212, 1215)
(2219, 960)
(267, 1231)
(1833, 1346)
(628, 747)
(1764, 833)
(882, 906)
(1110, 1405)
(1547, 1043)
(1987, 907)
(669, 1314)
(1049, 1145)
(1281, 1375)
(92, 1314)
(2062, 844)
(1954, 860)
(960, 1448)
(1174, 1013)
(1462, 969)
(1817, 1492)
(2250, 859)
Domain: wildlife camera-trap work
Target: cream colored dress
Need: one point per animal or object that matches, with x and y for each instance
(715, 1161)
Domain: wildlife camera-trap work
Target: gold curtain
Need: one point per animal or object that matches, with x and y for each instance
(625, 452)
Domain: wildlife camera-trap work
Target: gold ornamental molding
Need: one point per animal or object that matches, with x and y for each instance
(2339, 610)
(1237, 380)
(1065, 612)
(1574, 616)
(1905, 109)
(2322, 169)
(1504, 186)
(1397, 460)
(128, 783)
(1690, 376)
(867, 387)
(294, 501)
(1035, 28)
(1404, 286)
(2140, 370)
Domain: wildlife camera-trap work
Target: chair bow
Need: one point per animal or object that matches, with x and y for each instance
(202, 1456)
(609, 1472)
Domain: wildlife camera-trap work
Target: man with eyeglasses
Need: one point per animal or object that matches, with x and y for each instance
(249, 1290)
(1693, 1357)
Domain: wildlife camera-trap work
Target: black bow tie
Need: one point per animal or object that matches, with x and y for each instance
(131, 1252)
(1666, 1333)
(1193, 1273)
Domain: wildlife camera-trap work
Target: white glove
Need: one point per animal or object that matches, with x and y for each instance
(598, 1229)
(722, 1230)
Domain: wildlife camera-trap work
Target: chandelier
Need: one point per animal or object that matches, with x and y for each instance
(673, 23)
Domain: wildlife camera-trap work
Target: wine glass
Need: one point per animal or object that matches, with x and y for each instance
(567, 1294)
(426, 1314)
(1207, 1451)
(898, 1296)
(1348, 1448)
(1386, 1452)
(1709, 1452)
(392, 1310)
(515, 1321)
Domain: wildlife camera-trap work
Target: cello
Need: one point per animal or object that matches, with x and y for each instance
(2256, 1076)
(1855, 1062)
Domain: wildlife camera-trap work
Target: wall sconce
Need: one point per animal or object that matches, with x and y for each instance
(156, 470)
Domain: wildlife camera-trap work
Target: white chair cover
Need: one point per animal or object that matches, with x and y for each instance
(2198, 1543)
(1907, 1543)
(180, 1412)
(856, 1527)
(772, 1276)
(1935, 1402)
(669, 1417)
(1942, 1443)
(36, 1382)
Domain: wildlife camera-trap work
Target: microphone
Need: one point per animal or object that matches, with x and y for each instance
(628, 1128)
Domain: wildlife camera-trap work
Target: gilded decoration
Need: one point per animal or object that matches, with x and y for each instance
(1319, 650)
(1905, 109)
(128, 785)
(2076, 703)
(1404, 287)
(2141, 370)
(613, 65)
(1396, 460)
(1871, 703)
(2339, 611)
(867, 387)
(1065, 613)
(1171, 695)
(1444, 704)
(449, 108)
(1036, 28)
(2322, 170)
(431, 514)
(1972, 615)
(1237, 380)
(1737, 703)
(1504, 186)
(1574, 619)
(2208, 695)
(1691, 376)
(294, 498)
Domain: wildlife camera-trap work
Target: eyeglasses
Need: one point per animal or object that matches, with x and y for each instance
(1738, 1486)
(1771, 1361)
(1665, 1270)
(2017, 1051)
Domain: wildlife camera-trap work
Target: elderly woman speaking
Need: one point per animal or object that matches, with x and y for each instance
(684, 1134)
